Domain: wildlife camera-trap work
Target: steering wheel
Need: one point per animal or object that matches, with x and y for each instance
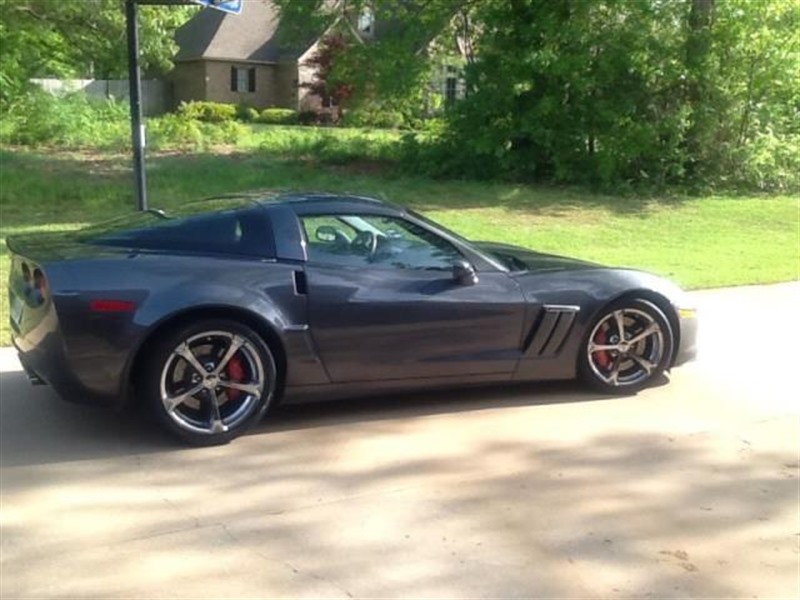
(365, 243)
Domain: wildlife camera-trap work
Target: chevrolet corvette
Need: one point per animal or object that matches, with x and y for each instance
(211, 314)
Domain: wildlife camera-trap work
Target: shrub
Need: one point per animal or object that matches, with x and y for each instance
(278, 116)
(210, 112)
(374, 117)
(178, 131)
(329, 145)
(174, 130)
(71, 120)
(769, 162)
(224, 133)
(247, 114)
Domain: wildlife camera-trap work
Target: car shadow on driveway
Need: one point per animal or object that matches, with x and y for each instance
(423, 403)
(38, 427)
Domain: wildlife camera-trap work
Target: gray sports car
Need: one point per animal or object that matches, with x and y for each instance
(212, 314)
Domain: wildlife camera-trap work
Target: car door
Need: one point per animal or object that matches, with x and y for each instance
(383, 303)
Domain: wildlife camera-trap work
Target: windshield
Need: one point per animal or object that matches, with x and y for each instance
(438, 227)
(509, 261)
(489, 256)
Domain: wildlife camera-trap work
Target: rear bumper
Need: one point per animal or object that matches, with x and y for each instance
(46, 364)
(33, 377)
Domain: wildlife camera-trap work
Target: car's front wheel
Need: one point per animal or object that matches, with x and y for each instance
(628, 347)
(209, 381)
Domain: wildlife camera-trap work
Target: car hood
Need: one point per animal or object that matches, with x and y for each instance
(523, 259)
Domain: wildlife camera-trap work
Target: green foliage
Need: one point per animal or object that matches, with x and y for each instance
(392, 64)
(751, 104)
(72, 120)
(327, 144)
(176, 131)
(278, 116)
(644, 93)
(79, 38)
(246, 114)
(210, 112)
(767, 162)
(218, 112)
(75, 121)
(374, 117)
(587, 101)
(606, 93)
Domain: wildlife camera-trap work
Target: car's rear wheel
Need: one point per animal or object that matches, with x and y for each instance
(209, 381)
(628, 347)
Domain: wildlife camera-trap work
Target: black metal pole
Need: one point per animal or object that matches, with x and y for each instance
(135, 83)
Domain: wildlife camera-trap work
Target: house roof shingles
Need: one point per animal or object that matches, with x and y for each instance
(250, 36)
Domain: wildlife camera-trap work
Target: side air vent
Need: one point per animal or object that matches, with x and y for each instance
(551, 329)
(300, 284)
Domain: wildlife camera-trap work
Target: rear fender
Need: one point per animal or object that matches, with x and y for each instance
(165, 304)
(275, 315)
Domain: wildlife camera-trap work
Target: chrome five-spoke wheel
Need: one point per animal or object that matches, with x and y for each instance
(213, 381)
(629, 345)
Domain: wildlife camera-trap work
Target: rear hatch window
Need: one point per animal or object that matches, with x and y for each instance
(242, 232)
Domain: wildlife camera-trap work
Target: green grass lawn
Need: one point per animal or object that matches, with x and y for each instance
(698, 242)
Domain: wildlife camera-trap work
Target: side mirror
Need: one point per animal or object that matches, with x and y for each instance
(464, 273)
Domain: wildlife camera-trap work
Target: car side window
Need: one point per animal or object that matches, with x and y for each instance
(238, 233)
(376, 241)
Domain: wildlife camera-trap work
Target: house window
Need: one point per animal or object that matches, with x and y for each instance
(243, 80)
(451, 84)
(450, 90)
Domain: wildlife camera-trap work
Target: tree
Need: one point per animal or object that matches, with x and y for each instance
(602, 92)
(748, 110)
(332, 90)
(699, 78)
(615, 91)
(391, 66)
(44, 38)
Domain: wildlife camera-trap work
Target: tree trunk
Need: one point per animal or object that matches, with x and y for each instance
(698, 49)
(698, 41)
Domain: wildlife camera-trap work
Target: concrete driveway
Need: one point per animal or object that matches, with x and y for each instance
(687, 490)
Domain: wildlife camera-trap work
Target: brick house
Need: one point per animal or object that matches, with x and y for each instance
(238, 59)
(241, 59)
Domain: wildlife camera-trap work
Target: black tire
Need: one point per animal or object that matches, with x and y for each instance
(209, 381)
(615, 366)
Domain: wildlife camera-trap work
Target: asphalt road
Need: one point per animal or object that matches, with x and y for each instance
(687, 490)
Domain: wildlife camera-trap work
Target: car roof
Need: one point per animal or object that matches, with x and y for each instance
(317, 197)
(315, 202)
(303, 200)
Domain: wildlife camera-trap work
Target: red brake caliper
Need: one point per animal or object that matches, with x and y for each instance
(235, 372)
(602, 357)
